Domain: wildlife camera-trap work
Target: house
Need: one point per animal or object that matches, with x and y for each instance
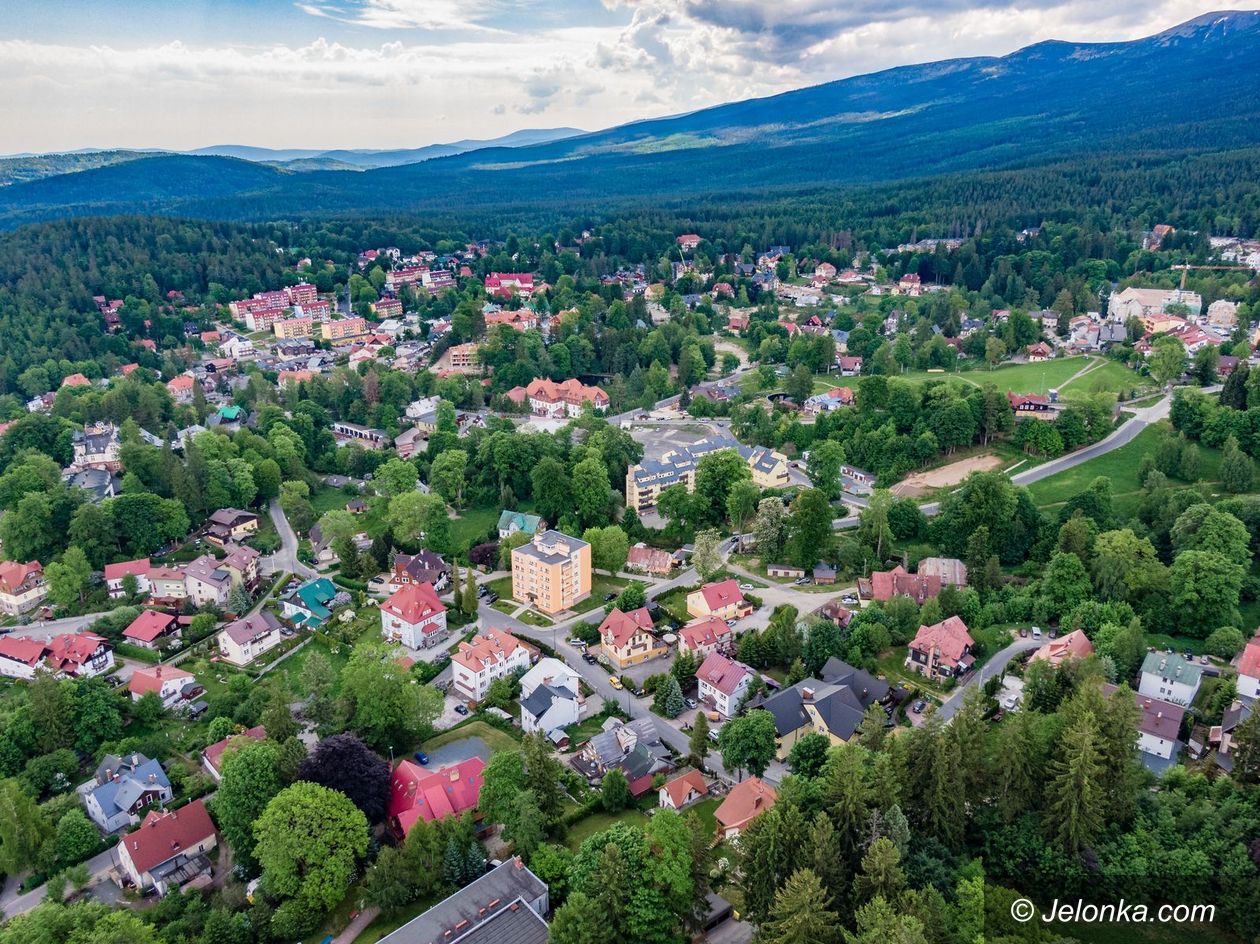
(850, 366)
(151, 626)
(788, 571)
(419, 794)
(823, 574)
(115, 574)
(633, 747)
(207, 581)
(244, 640)
(829, 400)
(171, 684)
(97, 447)
(1039, 352)
(167, 585)
(1249, 670)
(836, 612)
(548, 398)
(1134, 302)
(124, 786)
(169, 849)
(910, 284)
(1222, 735)
(642, 559)
(723, 683)
(1025, 404)
(552, 573)
(422, 567)
(22, 586)
(212, 756)
(230, 524)
(507, 284)
(747, 800)
(722, 599)
(414, 616)
(1075, 645)
(510, 522)
(492, 654)
(504, 906)
(76, 655)
(942, 650)
(883, 585)
(551, 698)
(832, 705)
(310, 605)
(769, 467)
(687, 242)
(241, 563)
(1170, 677)
(627, 639)
(1159, 730)
(409, 441)
(949, 570)
(682, 791)
(182, 387)
(703, 636)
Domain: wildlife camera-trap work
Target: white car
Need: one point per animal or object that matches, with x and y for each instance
(746, 586)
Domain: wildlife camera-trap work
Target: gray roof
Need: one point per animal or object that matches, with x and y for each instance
(116, 796)
(515, 923)
(867, 687)
(506, 883)
(538, 547)
(839, 706)
(537, 703)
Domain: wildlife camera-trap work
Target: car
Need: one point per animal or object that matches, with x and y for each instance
(5, 630)
(745, 586)
(1054, 634)
(615, 682)
(1204, 659)
(422, 758)
(461, 709)
(801, 581)
(689, 702)
(1189, 655)
(730, 622)
(1036, 632)
(492, 597)
(482, 590)
(1023, 632)
(848, 598)
(610, 595)
(589, 659)
(918, 706)
(713, 735)
(285, 631)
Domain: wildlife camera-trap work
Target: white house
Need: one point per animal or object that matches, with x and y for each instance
(124, 786)
(171, 684)
(723, 683)
(1249, 671)
(1169, 677)
(414, 616)
(492, 654)
(244, 640)
(551, 697)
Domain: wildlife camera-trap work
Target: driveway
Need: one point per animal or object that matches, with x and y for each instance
(987, 671)
(99, 866)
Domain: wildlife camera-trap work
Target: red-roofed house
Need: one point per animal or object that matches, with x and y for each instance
(76, 380)
(507, 284)
(1028, 402)
(1041, 351)
(1075, 645)
(747, 800)
(492, 654)
(683, 790)
(172, 684)
(414, 616)
(169, 848)
(898, 582)
(150, 626)
(22, 586)
(416, 793)
(650, 560)
(1249, 669)
(80, 655)
(548, 398)
(627, 639)
(687, 241)
(942, 650)
(20, 656)
(212, 756)
(115, 574)
(850, 365)
(181, 387)
(702, 636)
(722, 599)
(723, 683)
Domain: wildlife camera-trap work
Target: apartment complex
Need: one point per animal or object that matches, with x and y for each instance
(646, 481)
(552, 573)
(342, 329)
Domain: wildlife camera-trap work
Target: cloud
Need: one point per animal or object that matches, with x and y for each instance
(434, 15)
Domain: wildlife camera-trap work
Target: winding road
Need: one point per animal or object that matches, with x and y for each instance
(285, 559)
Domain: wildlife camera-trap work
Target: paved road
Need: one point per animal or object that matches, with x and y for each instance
(11, 903)
(286, 558)
(47, 629)
(993, 667)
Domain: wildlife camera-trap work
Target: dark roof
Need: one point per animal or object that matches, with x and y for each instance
(506, 883)
(867, 687)
(541, 698)
(516, 923)
(839, 706)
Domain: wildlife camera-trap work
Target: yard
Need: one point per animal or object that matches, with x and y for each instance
(601, 586)
(598, 822)
(496, 738)
(473, 526)
(1109, 377)
(1018, 378)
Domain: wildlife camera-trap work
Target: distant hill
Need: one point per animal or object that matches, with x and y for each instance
(1191, 89)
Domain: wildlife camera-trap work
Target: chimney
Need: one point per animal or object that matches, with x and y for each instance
(807, 694)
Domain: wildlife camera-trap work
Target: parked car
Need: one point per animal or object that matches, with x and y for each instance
(1054, 634)
(589, 659)
(1204, 659)
(730, 622)
(286, 631)
(713, 735)
(1189, 655)
(610, 595)
(746, 586)
(690, 702)
(848, 598)
(491, 597)
(482, 590)
(461, 709)
(615, 682)
(1036, 631)
(918, 706)
(801, 581)
(422, 758)
(1023, 632)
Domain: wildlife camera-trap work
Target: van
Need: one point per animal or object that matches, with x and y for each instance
(1036, 630)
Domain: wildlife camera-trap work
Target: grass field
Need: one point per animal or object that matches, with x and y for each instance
(472, 526)
(495, 739)
(598, 822)
(1109, 377)
(1020, 378)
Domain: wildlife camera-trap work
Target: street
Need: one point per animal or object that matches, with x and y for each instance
(285, 559)
(11, 903)
(992, 668)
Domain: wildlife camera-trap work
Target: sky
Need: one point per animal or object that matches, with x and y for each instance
(184, 74)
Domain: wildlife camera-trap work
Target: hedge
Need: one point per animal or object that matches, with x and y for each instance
(139, 653)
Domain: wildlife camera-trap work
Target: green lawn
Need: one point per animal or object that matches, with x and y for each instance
(495, 738)
(1120, 465)
(601, 586)
(472, 526)
(531, 618)
(598, 822)
(1019, 378)
(704, 810)
(1110, 377)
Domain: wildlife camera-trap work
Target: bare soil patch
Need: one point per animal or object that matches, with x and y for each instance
(921, 483)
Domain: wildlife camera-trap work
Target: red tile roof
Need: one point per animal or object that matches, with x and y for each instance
(678, 788)
(747, 800)
(149, 625)
(950, 636)
(489, 647)
(163, 835)
(1075, 645)
(886, 584)
(13, 575)
(618, 628)
(416, 793)
(214, 753)
(1249, 662)
(722, 673)
(414, 602)
(705, 632)
(134, 568)
(150, 678)
(722, 594)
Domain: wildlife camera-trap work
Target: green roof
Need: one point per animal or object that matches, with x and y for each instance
(230, 412)
(521, 521)
(314, 595)
(1171, 666)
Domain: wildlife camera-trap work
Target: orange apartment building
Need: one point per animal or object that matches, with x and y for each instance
(552, 573)
(343, 328)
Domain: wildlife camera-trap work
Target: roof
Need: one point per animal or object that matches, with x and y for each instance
(678, 788)
(150, 678)
(867, 687)
(546, 547)
(13, 575)
(1075, 645)
(162, 836)
(22, 649)
(132, 568)
(722, 594)
(251, 627)
(949, 636)
(132, 778)
(723, 674)
(488, 647)
(704, 632)
(313, 596)
(1173, 667)
(149, 625)
(1249, 661)
(414, 602)
(68, 652)
(538, 702)
(619, 627)
(518, 519)
(1159, 718)
(886, 584)
(214, 752)
(469, 907)
(747, 800)
(650, 559)
(416, 793)
(948, 569)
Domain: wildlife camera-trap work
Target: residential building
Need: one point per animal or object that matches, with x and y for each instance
(122, 787)
(77, 655)
(241, 563)
(344, 328)
(747, 800)
(230, 524)
(949, 570)
(97, 447)
(831, 705)
(414, 617)
(1134, 302)
(492, 654)
(310, 605)
(1249, 671)
(682, 791)
(511, 522)
(422, 567)
(169, 849)
(171, 684)
(287, 329)
(1031, 404)
(566, 398)
(167, 585)
(942, 650)
(504, 906)
(687, 242)
(627, 638)
(212, 756)
(722, 599)
(116, 574)
(645, 481)
(1075, 645)
(22, 586)
(207, 581)
(152, 626)
(633, 747)
(1159, 729)
(706, 635)
(552, 573)
(244, 640)
(883, 585)
(507, 284)
(419, 794)
(1170, 677)
(551, 699)
(642, 559)
(723, 683)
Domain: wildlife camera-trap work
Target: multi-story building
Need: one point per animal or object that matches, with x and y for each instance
(343, 328)
(492, 654)
(304, 293)
(723, 683)
(169, 849)
(722, 599)
(414, 616)
(551, 399)
(552, 573)
(22, 586)
(291, 328)
(942, 650)
(627, 638)
(124, 786)
(1170, 677)
(207, 581)
(244, 640)
(646, 481)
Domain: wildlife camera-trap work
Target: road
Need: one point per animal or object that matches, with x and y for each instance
(285, 559)
(47, 629)
(11, 903)
(992, 668)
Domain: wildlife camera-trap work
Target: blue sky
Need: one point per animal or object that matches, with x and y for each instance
(401, 73)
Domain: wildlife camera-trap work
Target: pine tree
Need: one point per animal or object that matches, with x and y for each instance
(801, 913)
(699, 743)
(453, 864)
(456, 583)
(881, 874)
(469, 603)
(1075, 794)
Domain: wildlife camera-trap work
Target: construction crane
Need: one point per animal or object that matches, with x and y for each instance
(1186, 268)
